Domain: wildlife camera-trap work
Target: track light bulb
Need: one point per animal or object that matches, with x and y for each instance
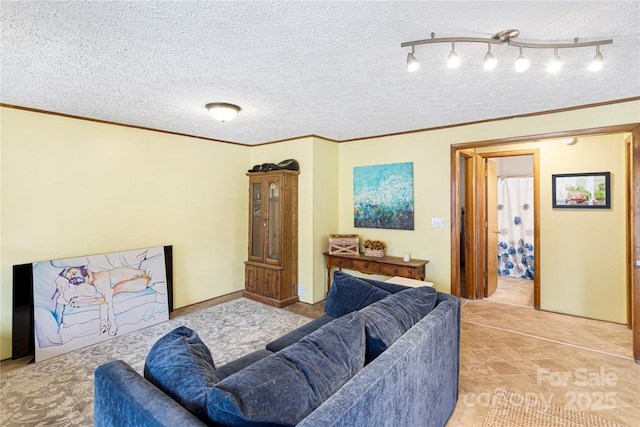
(522, 63)
(490, 61)
(597, 62)
(412, 62)
(555, 64)
(454, 60)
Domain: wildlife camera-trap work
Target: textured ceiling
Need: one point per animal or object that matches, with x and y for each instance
(333, 69)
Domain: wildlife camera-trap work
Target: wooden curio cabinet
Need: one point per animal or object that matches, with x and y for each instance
(271, 271)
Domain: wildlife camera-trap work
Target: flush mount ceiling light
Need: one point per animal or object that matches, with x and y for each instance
(507, 37)
(222, 111)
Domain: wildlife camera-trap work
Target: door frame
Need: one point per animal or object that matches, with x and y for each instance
(634, 244)
(482, 207)
(470, 214)
(490, 232)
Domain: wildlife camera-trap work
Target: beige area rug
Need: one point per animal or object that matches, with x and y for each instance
(515, 409)
(58, 392)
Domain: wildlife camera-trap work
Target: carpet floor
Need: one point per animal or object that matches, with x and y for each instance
(59, 391)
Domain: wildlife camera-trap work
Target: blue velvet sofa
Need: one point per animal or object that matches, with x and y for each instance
(382, 355)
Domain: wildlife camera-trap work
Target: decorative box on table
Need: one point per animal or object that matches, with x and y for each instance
(344, 244)
(378, 253)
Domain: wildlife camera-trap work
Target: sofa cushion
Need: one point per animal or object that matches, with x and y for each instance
(285, 387)
(388, 319)
(240, 363)
(297, 334)
(390, 287)
(350, 293)
(180, 365)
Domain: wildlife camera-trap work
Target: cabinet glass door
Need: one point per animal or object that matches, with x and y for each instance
(273, 218)
(257, 224)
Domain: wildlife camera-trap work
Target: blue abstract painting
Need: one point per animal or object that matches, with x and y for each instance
(383, 196)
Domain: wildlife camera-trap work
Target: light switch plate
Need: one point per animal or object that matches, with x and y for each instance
(437, 222)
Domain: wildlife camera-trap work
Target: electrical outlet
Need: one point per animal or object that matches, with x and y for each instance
(437, 222)
(301, 291)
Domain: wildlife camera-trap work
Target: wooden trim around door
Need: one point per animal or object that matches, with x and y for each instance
(454, 169)
(635, 240)
(634, 226)
(456, 156)
(535, 153)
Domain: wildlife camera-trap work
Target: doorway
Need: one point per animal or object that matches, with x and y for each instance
(633, 220)
(510, 207)
(466, 225)
(476, 203)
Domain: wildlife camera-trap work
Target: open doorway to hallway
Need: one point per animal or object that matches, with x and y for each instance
(510, 205)
(563, 293)
(492, 186)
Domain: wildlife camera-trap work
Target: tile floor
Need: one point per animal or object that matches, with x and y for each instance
(579, 363)
(575, 362)
(514, 291)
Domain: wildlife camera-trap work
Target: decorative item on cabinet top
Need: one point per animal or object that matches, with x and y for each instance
(344, 244)
(374, 248)
(289, 164)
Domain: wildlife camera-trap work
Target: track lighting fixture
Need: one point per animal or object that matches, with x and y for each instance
(522, 63)
(507, 37)
(490, 61)
(597, 62)
(555, 64)
(412, 62)
(454, 60)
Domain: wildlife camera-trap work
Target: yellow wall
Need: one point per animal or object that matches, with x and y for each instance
(317, 204)
(325, 210)
(73, 187)
(431, 178)
(582, 251)
(430, 153)
(301, 150)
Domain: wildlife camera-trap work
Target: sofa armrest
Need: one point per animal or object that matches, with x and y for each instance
(124, 398)
(416, 378)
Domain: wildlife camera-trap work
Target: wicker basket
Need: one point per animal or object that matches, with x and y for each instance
(378, 253)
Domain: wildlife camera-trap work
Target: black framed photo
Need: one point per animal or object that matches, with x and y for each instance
(590, 190)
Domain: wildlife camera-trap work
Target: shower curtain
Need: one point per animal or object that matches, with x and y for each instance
(515, 224)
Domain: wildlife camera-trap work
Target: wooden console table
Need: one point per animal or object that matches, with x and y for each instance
(385, 266)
